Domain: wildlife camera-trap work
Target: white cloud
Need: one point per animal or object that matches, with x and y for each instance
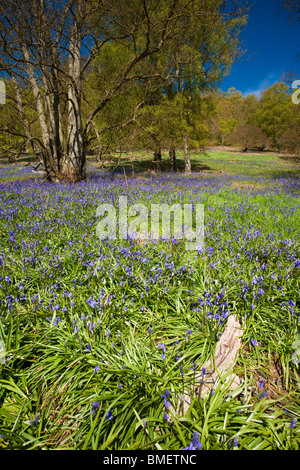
(268, 81)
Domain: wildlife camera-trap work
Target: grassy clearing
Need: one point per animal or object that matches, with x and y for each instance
(101, 338)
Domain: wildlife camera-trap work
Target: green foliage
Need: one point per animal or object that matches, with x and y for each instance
(275, 113)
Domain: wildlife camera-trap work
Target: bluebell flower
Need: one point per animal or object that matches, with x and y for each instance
(96, 369)
(95, 405)
(109, 416)
(263, 395)
(233, 442)
(166, 394)
(91, 302)
(254, 342)
(177, 356)
(293, 423)
(195, 444)
(189, 332)
(166, 404)
(76, 329)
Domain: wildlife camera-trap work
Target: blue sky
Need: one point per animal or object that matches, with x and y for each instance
(272, 45)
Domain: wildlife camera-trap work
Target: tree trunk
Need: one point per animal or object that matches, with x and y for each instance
(172, 155)
(187, 157)
(73, 166)
(157, 160)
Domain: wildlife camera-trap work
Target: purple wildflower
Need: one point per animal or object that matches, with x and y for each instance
(293, 423)
(263, 395)
(95, 405)
(195, 444)
(233, 442)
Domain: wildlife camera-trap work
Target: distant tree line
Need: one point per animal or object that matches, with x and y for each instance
(270, 121)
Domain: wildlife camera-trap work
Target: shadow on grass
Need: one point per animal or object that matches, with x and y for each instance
(286, 174)
(144, 165)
